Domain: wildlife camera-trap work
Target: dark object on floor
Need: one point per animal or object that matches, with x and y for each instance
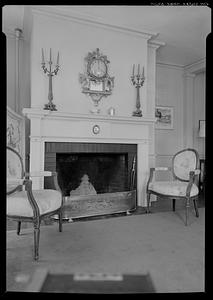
(94, 283)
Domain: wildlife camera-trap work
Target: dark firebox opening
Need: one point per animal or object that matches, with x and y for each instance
(108, 172)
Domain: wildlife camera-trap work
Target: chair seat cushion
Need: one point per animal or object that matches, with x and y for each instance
(19, 205)
(173, 188)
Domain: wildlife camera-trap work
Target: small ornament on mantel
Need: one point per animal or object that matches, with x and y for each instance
(50, 73)
(137, 81)
(111, 111)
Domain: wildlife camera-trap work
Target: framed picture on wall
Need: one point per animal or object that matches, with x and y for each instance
(164, 115)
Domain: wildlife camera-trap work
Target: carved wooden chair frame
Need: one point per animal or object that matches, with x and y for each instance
(26, 182)
(193, 178)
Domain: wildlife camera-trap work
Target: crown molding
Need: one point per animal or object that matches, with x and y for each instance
(169, 65)
(188, 74)
(11, 33)
(196, 67)
(89, 20)
(155, 44)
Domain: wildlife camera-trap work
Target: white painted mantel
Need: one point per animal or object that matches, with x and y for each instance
(55, 126)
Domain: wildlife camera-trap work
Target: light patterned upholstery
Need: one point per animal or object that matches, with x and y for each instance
(47, 200)
(14, 168)
(172, 188)
(23, 203)
(183, 163)
(184, 186)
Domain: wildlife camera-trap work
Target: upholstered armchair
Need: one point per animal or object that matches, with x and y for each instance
(184, 186)
(27, 205)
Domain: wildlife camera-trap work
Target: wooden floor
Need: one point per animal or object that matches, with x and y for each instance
(157, 206)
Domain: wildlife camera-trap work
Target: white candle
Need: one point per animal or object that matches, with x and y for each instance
(42, 55)
(133, 71)
(143, 72)
(50, 55)
(58, 59)
(138, 69)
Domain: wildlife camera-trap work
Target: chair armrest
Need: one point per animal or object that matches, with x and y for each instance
(192, 177)
(39, 173)
(46, 174)
(152, 170)
(196, 172)
(161, 169)
(55, 180)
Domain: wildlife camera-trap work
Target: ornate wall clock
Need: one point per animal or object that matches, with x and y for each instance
(97, 68)
(96, 81)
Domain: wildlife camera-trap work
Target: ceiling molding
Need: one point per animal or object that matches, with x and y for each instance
(155, 44)
(196, 67)
(188, 74)
(169, 65)
(88, 20)
(12, 34)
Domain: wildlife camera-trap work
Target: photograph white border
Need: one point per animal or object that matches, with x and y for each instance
(164, 115)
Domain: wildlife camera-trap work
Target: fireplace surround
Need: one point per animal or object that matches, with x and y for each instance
(64, 127)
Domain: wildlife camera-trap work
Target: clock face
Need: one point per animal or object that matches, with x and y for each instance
(96, 129)
(98, 68)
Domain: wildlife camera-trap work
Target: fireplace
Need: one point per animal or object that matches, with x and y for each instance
(58, 127)
(108, 166)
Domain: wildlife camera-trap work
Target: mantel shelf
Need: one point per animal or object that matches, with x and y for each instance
(38, 113)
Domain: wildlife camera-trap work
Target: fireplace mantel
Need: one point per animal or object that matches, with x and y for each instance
(47, 114)
(55, 126)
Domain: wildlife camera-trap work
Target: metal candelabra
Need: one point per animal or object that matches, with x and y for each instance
(137, 81)
(50, 73)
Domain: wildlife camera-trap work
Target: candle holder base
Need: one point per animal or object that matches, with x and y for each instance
(50, 106)
(137, 113)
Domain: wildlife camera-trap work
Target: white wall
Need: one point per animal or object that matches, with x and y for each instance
(186, 94)
(73, 41)
(169, 92)
(199, 111)
(10, 56)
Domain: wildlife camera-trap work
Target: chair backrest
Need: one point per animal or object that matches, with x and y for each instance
(183, 162)
(15, 169)
(16, 132)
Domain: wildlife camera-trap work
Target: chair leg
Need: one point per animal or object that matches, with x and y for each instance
(187, 210)
(18, 227)
(173, 204)
(196, 209)
(36, 239)
(148, 203)
(60, 220)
